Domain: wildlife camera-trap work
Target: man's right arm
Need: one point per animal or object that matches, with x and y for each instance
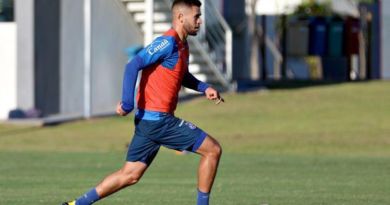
(129, 81)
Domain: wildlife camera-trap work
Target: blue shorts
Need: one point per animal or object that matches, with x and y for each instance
(152, 131)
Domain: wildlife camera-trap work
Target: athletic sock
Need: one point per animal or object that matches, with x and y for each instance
(203, 198)
(88, 198)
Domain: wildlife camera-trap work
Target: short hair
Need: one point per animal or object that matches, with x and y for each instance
(188, 3)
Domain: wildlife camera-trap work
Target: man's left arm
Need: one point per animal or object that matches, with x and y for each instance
(189, 81)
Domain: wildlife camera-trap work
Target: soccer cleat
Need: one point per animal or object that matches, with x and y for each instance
(70, 203)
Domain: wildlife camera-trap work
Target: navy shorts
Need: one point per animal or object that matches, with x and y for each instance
(168, 131)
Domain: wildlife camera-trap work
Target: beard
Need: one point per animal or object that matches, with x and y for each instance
(191, 30)
(193, 33)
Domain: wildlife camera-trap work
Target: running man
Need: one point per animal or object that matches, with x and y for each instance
(164, 65)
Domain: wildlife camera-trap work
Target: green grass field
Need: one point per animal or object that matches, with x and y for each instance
(319, 145)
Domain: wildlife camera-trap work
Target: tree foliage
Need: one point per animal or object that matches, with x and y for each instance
(313, 8)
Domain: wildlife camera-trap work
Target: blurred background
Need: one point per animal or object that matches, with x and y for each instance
(64, 59)
(306, 83)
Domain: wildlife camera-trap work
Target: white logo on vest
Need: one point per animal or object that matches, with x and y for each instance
(157, 45)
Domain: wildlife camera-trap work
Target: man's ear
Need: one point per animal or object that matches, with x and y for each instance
(181, 17)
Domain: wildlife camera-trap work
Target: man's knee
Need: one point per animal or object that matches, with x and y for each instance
(210, 148)
(215, 150)
(218, 150)
(132, 174)
(131, 177)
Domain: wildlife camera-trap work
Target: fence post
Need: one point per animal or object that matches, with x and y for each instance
(87, 58)
(149, 19)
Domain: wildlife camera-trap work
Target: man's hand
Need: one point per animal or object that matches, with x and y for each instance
(119, 110)
(213, 94)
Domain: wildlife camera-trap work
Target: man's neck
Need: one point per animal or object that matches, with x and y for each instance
(181, 33)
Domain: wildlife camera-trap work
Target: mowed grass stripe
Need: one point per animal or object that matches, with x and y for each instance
(316, 145)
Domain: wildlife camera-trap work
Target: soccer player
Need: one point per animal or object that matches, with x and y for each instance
(164, 65)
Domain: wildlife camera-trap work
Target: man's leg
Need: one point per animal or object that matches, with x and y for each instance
(128, 175)
(210, 152)
(182, 135)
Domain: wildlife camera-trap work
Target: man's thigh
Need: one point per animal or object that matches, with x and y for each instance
(142, 148)
(181, 135)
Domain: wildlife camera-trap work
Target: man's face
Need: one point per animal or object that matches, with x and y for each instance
(192, 20)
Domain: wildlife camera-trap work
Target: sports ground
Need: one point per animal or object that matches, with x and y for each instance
(318, 145)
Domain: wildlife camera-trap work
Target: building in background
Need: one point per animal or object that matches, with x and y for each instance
(69, 55)
(65, 58)
(8, 58)
(6, 10)
(385, 38)
(342, 44)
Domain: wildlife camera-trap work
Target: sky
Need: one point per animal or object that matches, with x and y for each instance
(271, 7)
(276, 6)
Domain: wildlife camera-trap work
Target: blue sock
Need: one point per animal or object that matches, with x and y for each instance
(203, 198)
(88, 198)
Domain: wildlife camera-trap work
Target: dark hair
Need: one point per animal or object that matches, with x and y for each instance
(187, 3)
